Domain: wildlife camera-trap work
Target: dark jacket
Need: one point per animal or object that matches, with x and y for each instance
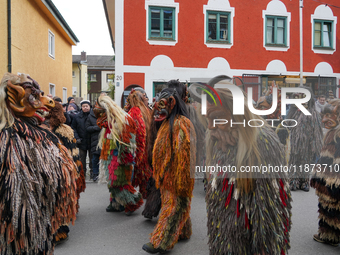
(72, 114)
(68, 119)
(79, 128)
(93, 130)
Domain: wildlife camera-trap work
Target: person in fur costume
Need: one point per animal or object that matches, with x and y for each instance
(248, 213)
(305, 141)
(172, 155)
(56, 120)
(117, 141)
(141, 114)
(37, 176)
(326, 178)
(153, 201)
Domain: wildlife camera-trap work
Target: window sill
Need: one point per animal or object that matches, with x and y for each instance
(161, 39)
(276, 47)
(218, 42)
(323, 50)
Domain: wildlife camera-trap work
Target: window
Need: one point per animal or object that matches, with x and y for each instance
(52, 89)
(276, 31)
(73, 74)
(161, 23)
(110, 77)
(218, 25)
(324, 29)
(323, 33)
(64, 95)
(93, 77)
(51, 44)
(276, 27)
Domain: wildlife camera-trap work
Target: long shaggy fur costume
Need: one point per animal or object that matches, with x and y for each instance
(37, 189)
(327, 185)
(37, 179)
(153, 202)
(172, 170)
(142, 170)
(305, 141)
(247, 215)
(56, 120)
(118, 144)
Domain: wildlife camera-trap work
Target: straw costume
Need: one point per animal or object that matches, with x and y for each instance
(248, 213)
(172, 155)
(326, 179)
(56, 120)
(305, 141)
(142, 116)
(37, 174)
(118, 149)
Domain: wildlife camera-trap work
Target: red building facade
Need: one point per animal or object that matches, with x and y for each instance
(257, 41)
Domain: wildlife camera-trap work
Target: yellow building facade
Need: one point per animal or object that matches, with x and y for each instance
(41, 45)
(79, 69)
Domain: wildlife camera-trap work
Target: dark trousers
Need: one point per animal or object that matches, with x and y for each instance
(95, 164)
(82, 155)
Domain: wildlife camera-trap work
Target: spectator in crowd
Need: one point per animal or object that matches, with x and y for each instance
(93, 130)
(71, 111)
(71, 100)
(80, 133)
(320, 104)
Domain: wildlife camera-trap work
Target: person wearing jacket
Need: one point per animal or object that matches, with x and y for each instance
(81, 135)
(93, 130)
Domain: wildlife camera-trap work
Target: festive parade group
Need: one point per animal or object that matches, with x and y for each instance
(155, 148)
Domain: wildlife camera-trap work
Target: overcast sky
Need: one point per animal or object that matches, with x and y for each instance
(87, 20)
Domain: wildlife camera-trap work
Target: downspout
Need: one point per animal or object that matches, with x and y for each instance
(79, 80)
(9, 36)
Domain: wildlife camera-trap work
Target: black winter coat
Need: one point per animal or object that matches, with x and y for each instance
(79, 128)
(93, 129)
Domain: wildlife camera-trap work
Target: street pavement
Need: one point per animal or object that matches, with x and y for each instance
(101, 233)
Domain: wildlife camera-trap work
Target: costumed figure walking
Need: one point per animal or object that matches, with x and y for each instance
(56, 122)
(305, 141)
(37, 176)
(141, 114)
(172, 155)
(117, 141)
(247, 213)
(326, 178)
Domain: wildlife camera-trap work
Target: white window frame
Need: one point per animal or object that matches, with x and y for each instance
(276, 8)
(219, 6)
(325, 13)
(51, 44)
(162, 3)
(51, 85)
(64, 95)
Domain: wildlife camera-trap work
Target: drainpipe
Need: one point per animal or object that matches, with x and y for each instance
(79, 79)
(9, 36)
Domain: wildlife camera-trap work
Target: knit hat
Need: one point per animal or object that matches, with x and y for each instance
(85, 102)
(74, 106)
(69, 99)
